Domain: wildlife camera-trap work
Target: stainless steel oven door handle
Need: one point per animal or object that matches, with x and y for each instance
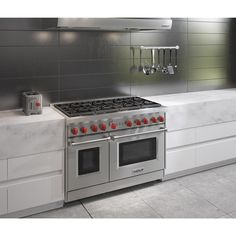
(89, 141)
(130, 135)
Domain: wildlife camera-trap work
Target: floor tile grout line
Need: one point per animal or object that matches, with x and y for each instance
(204, 198)
(147, 204)
(232, 212)
(86, 209)
(228, 214)
(152, 208)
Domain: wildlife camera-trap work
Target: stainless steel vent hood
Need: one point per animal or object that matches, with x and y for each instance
(120, 24)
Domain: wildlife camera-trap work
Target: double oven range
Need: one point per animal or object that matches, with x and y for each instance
(112, 144)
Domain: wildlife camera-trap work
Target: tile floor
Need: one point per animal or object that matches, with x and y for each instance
(208, 194)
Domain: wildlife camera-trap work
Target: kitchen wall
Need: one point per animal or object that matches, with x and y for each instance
(68, 65)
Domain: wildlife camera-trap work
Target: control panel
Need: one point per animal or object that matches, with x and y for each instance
(121, 123)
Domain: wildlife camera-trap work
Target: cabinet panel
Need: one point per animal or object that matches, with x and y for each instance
(35, 164)
(35, 193)
(180, 138)
(215, 151)
(181, 159)
(3, 170)
(217, 131)
(3, 200)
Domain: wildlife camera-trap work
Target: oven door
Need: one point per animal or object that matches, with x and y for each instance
(87, 163)
(136, 154)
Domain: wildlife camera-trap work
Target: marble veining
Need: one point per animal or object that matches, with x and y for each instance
(25, 135)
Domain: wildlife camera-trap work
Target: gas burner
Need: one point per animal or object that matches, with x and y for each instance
(103, 106)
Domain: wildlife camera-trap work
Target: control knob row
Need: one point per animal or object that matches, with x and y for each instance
(75, 131)
(145, 121)
(93, 127)
(113, 125)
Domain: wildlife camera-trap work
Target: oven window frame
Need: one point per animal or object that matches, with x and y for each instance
(80, 161)
(154, 156)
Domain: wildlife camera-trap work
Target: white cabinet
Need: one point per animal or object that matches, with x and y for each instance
(216, 151)
(3, 170)
(180, 159)
(35, 193)
(180, 138)
(3, 200)
(35, 164)
(179, 155)
(217, 131)
(32, 163)
(200, 146)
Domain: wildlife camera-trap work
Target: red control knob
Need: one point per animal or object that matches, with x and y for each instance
(138, 122)
(74, 131)
(113, 125)
(145, 121)
(84, 130)
(161, 118)
(94, 128)
(154, 120)
(103, 126)
(37, 104)
(128, 123)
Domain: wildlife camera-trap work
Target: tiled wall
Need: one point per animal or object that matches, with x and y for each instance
(71, 65)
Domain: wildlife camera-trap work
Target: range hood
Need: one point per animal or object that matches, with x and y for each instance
(115, 24)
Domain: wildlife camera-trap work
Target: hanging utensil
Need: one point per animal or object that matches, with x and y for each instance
(133, 68)
(146, 69)
(158, 60)
(153, 68)
(170, 67)
(164, 68)
(140, 68)
(176, 63)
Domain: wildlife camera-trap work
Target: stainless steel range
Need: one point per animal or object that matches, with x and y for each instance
(111, 144)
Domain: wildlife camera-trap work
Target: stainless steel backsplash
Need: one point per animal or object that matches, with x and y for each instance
(69, 65)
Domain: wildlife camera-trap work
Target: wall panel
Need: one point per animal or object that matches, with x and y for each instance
(67, 65)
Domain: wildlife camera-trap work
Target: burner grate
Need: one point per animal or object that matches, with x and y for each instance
(93, 107)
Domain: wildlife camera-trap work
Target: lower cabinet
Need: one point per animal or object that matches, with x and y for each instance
(215, 151)
(37, 164)
(35, 193)
(179, 160)
(3, 200)
(200, 146)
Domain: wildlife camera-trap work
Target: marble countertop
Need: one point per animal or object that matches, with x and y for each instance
(184, 110)
(197, 109)
(30, 135)
(194, 97)
(19, 117)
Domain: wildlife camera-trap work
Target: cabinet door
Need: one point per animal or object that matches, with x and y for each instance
(3, 200)
(218, 131)
(216, 151)
(35, 164)
(35, 193)
(180, 159)
(3, 170)
(180, 138)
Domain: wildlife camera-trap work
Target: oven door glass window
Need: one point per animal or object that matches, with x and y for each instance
(137, 151)
(88, 161)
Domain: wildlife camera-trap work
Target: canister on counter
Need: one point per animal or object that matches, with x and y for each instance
(32, 103)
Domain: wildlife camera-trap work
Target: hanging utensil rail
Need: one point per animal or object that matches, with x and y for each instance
(158, 48)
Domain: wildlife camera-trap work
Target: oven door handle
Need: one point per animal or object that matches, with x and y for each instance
(89, 141)
(130, 135)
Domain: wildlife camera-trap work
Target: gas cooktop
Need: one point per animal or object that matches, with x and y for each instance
(102, 106)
